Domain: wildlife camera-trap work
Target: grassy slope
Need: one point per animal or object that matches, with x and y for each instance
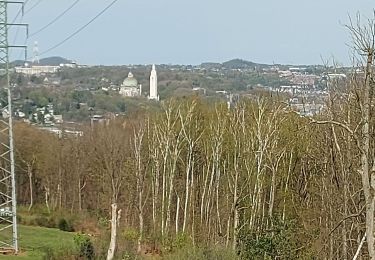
(33, 241)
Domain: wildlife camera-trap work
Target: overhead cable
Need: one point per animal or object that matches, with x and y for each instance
(80, 29)
(19, 12)
(56, 19)
(32, 7)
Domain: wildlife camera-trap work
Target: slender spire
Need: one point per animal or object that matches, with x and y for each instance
(153, 84)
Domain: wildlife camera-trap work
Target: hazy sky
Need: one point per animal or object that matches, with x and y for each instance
(195, 31)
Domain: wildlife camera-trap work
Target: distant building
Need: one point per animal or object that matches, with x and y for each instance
(53, 81)
(58, 119)
(285, 73)
(20, 114)
(102, 119)
(332, 76)
(297, 69)
(130, 87)
(37, 70)
(98, 119)
(199, 90)
(71, 65)
(153, 84)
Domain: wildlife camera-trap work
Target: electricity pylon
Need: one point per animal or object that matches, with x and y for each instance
(8, 202)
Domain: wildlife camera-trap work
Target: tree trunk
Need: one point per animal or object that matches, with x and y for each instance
(359, 247)
(140, 211)
(115, 217)
(177, 213)
(30, 174)
(236, 216)
(163, 198)
(368, 177)
(140, 237)
(46, 197)
(154, 199)
(272, 195)
(187, 186)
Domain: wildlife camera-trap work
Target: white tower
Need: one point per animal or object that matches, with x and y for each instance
(35, 53)
(153, 84)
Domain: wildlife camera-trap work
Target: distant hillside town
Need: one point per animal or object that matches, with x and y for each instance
(58, 90)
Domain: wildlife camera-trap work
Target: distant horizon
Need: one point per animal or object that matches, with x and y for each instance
(181, 64)
(192, 32)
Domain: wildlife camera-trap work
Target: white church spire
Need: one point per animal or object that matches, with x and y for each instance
(153, 84)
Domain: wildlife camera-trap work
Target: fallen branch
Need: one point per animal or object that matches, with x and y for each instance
(347, 217)
(359, 247)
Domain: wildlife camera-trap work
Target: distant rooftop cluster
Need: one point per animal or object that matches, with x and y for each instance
(35, 69)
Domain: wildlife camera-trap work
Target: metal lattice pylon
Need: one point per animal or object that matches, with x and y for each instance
(8, 213)
(8, 202)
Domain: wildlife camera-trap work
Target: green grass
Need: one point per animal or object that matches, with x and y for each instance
(34, 241)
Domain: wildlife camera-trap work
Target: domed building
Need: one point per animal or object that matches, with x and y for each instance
(130, 87)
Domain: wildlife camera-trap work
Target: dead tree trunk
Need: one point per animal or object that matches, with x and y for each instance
(115, 218)
(30, 175)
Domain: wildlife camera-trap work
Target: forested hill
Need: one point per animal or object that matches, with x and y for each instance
(241, 64)
(49, 61)
(233, 64)
(54, 61)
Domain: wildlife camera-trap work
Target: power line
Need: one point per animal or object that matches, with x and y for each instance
(32, 7)
(80, 29)
(16, 35)
(19, 12)
(56, 19)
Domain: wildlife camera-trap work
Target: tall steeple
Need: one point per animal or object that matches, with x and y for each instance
(153, 84)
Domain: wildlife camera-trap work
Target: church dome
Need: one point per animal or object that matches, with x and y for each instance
(130, 81)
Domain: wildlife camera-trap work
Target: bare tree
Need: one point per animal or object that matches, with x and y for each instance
(361, 132)
(138, 142)
(111, 152)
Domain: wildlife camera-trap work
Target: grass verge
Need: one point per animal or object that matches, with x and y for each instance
(36, 241)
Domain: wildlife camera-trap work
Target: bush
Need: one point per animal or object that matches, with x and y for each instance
(130, 234)
(280, 242)
(129, 256)
(181, 241)
(197, 253)
(65, 225)
(59, 254)
(101, 247)
(85, 246)
(45, 222)
(103, 222)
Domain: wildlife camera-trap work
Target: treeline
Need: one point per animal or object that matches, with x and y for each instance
(257, 179)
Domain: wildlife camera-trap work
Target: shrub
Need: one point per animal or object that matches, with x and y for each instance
(280, 242)
(103, 222)
(85, 246)
(45, 222)
(197, 253)
(181, 241)
(58, 254)
(129, 256)
(130, 234)
(41, 221)
(65, 225)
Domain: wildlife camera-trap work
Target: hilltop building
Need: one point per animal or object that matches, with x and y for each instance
(153, 84)
(130, 87)
(37, 70)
